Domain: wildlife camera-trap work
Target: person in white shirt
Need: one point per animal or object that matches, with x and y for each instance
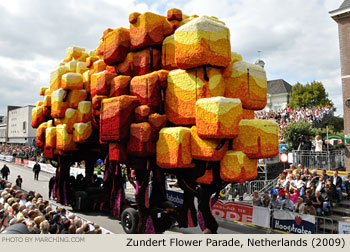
(318, 143)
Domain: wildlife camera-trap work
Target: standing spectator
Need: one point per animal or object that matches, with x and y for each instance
(266, 200)
(5, 171)
(318, 143)
(51, 185)
(337, 181)
(256, 199)
(275, 203)
(36, 170)
(19, 181)
(287, 204)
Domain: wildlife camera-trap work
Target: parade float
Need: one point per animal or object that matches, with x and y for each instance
(165, 96)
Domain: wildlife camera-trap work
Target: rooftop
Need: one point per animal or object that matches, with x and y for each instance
(278, 87)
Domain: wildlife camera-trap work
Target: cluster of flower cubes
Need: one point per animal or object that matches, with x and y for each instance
(167, 86)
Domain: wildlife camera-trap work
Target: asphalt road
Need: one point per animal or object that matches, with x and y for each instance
(102, 219)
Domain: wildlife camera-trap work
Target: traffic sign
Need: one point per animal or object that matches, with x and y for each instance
(284, 158)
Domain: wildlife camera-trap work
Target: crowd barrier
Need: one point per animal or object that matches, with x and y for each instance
(329, 160)
(68, 213)
(74, 171)
(277, 220)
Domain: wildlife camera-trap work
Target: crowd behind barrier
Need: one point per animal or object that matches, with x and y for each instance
(39, 215)
(285, 116)
(299, 190)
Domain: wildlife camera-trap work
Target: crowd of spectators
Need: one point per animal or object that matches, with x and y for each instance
(299, 191)
(285, 116)
(37, 214)
(21, 151)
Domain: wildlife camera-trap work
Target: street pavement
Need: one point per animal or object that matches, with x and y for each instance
(103, 219)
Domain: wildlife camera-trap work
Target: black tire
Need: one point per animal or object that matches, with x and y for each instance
(130, 220)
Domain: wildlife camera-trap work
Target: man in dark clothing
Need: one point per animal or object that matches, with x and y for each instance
(51, 185)
(36, 170)
(5, 171)
(337, 181)
(19, 182)
(317, 202)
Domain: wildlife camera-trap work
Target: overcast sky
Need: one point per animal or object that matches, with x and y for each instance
(298, 39)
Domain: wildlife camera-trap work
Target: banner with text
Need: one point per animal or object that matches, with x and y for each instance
(233, 211)
(343, 227)
(293, 223)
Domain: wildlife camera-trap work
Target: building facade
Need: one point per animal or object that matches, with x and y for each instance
(278, 92)
(19, 125)
(342, 17)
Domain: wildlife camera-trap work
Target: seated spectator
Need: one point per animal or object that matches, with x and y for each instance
(312, 189)
(282, 192)
(299, 206)
(309, 208)
(280, 181)
(275, 203)
(321, 183)
(266, 200)
(66, 225)
(44, 227)
(287, 204)
(294, 169)
(317, 201)
(347, 186)
(71, 229)
(324, 174)
(308, 182)
(337, 181)
(315, 177)
(294, 195)
(256, 199)
(298, 183)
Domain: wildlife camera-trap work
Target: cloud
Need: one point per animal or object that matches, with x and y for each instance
(298, 39)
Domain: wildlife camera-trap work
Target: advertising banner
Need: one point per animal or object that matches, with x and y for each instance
(18, 161)
(343, 227)
(293, 223)
(9, 158)
(175, 197)
(25, 162)
(2, 157)
(261, 216)
(233, 211)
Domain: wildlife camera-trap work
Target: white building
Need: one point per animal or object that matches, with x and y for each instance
(278, 92)
(2, 133)
(19, 122)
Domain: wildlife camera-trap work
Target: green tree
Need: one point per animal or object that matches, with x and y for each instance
(313, 94)
(295, 131)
